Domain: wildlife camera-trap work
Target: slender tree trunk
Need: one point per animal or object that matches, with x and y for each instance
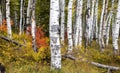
(8, 18)
(101, 27)
(109, 22)
(33, 26)
(88, 24)
(21, 17)
(92, 27)
(105, 21)
(81, 27)
(54, 35)
(0, 17)
(116, 32)
(62, 10)
(69, 26)
(28, 12)
(78, 24)
(96, 20)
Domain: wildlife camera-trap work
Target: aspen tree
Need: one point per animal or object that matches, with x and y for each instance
(96, 20)
(69, 26)
(78, 24)
(116, 30)
(92, 27)
(28, 12)
(54, 35)
(62, 29)
(8, 18)
(109, 22)
(33, 26)
(101, 42)
(0, 16)
(88, 24)
(21, 16)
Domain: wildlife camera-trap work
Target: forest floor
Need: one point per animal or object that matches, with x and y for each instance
(22, 59)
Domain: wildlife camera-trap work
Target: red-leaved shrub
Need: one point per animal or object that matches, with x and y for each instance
(41, 40)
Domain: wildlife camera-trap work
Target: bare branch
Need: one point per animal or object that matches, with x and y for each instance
(10, 40)
(93, 63)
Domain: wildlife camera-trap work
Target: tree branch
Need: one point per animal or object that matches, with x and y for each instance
(10, 40)
(93, 63)
(105, 66)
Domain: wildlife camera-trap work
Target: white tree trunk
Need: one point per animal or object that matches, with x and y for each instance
(78, 24)
(96, 20)
(109, 22)
(69, 26)
(113, 25)
(28, 12)
(21, 17)
(33, 26)
(54, 35)
(117, 25)
(0, 16)
(92, 27)
(100, 27)
(105, 19)
(62, 10)
(80, 29)
(8, 18)
(88, 23)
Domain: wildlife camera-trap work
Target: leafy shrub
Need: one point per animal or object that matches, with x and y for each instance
(41, 40)
(3, 27)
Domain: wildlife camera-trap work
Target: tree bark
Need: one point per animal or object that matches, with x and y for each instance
(96, 20)
(21, 16)
(78, 24)
(92, 27)
(0, 16)
(105, 20)
(62, 10)
(28, 12)
(69, 26)
(88, 24)
(54, 35)
(8, 18)
(101, 42)
(109, 22)
(116, 32)
(33, 26)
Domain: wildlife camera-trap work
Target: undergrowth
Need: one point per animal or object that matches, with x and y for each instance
(24, 60)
